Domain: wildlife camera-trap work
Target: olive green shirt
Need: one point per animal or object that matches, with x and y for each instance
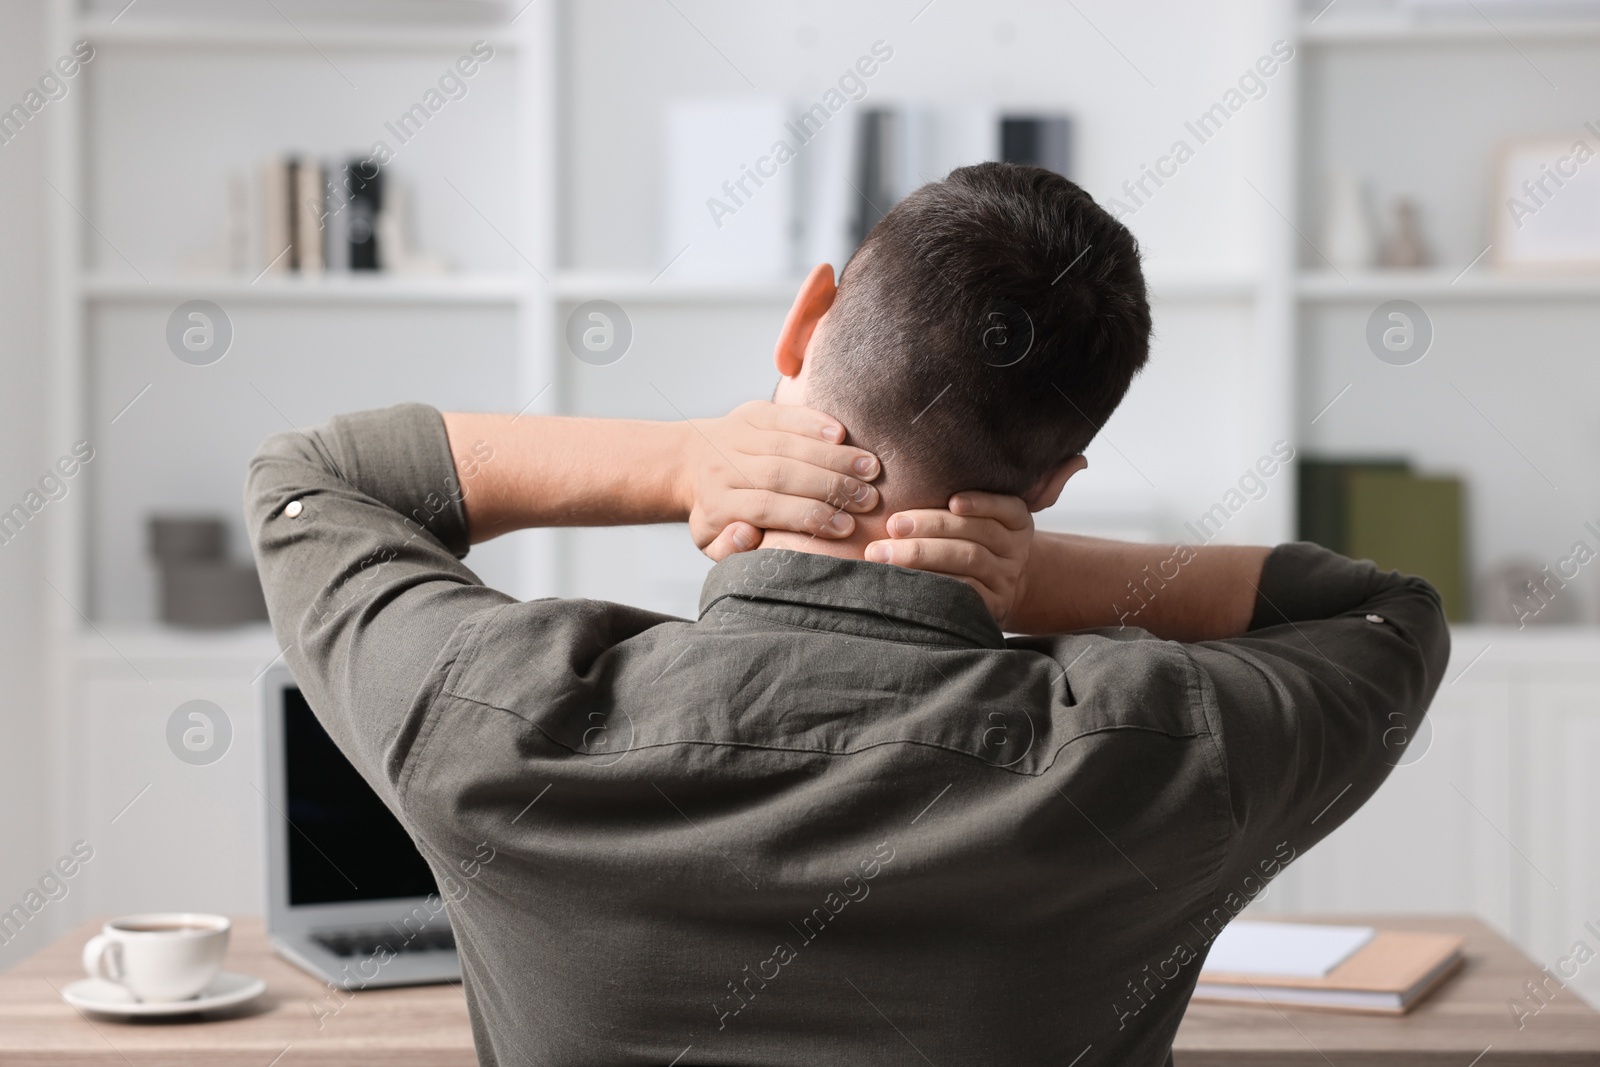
(839, 818)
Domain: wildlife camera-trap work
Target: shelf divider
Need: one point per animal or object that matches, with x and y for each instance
(443, 37)
(1330, 287)
(1405, 30)
(328, 289)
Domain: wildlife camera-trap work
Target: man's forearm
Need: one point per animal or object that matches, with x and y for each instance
(1179, 592)
(535, 470)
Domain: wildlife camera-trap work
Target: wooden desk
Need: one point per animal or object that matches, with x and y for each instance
(420, 1026)
(427, 1026)
(1464, 1019)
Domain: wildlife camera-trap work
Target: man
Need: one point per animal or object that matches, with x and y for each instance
(839, 818)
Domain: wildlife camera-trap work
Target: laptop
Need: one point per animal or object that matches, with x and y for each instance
(348, 894)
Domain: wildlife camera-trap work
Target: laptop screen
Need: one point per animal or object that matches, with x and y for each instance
(344, 845)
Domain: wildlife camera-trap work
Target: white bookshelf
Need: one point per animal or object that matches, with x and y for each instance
(1217, 256)
(1220, 277)
(725, 325)
(198, 91)
(1419, 105)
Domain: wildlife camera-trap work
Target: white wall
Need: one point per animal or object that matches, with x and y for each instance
(26, 847)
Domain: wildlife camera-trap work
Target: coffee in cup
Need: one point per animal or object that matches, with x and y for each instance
(159, 957)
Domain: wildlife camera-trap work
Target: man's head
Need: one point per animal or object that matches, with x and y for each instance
(980, 336)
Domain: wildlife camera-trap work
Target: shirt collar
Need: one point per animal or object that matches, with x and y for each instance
(851, 595)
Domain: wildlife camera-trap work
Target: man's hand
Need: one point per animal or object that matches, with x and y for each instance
(983, 539)
(760, 467)
(766, 466)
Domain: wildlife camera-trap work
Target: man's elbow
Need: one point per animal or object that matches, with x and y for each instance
(1418, 613)
(286, 460)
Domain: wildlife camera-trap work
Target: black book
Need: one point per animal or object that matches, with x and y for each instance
(876, 163)
(1041, 140)
(365, 191)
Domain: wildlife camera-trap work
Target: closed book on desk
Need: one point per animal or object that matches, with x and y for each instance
(1388, 974)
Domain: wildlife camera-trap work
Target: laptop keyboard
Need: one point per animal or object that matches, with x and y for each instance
(368, 942)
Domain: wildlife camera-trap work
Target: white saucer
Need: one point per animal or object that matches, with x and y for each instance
(226, 989)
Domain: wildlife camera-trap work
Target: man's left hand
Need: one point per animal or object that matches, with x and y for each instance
(982, 538)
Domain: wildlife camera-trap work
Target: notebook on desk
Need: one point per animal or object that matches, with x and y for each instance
(1341, 968)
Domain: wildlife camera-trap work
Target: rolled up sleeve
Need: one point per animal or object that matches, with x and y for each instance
(1317, 700)
(359, 530)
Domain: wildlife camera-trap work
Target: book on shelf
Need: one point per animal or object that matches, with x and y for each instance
(900, 148)
(867, 160)
(1322, 497)
(362, 203)
(829, 198)
(306, 215)
(1414, 524)
(274, 209)
(1379, 509)
(310, 216)
(1041, 140)
(1334, 968)
(292, 205)
(764, 189)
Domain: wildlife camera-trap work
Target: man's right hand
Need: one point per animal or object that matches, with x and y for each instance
(766, 466)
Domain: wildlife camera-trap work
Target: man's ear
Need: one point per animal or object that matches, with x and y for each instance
(1048, 489)
(813, 301)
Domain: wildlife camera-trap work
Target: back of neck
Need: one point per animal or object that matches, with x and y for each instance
(869, 528)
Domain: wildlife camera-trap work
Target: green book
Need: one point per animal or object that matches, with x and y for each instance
(1322, 495)
(1413, 524)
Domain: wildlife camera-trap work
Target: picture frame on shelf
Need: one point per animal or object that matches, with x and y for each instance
(1545, 214)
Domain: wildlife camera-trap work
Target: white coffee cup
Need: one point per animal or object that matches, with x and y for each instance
(159, 956)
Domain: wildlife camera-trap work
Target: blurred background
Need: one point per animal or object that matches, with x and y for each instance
(1372, 236)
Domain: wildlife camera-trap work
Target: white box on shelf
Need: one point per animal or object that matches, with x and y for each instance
(828, 202)
(917, 144)
(730, 190)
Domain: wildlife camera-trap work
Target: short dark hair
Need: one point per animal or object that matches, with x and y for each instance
(964, 276)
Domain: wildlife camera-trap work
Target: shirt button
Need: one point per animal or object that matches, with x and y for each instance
(1370, 618)
(293, 509)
